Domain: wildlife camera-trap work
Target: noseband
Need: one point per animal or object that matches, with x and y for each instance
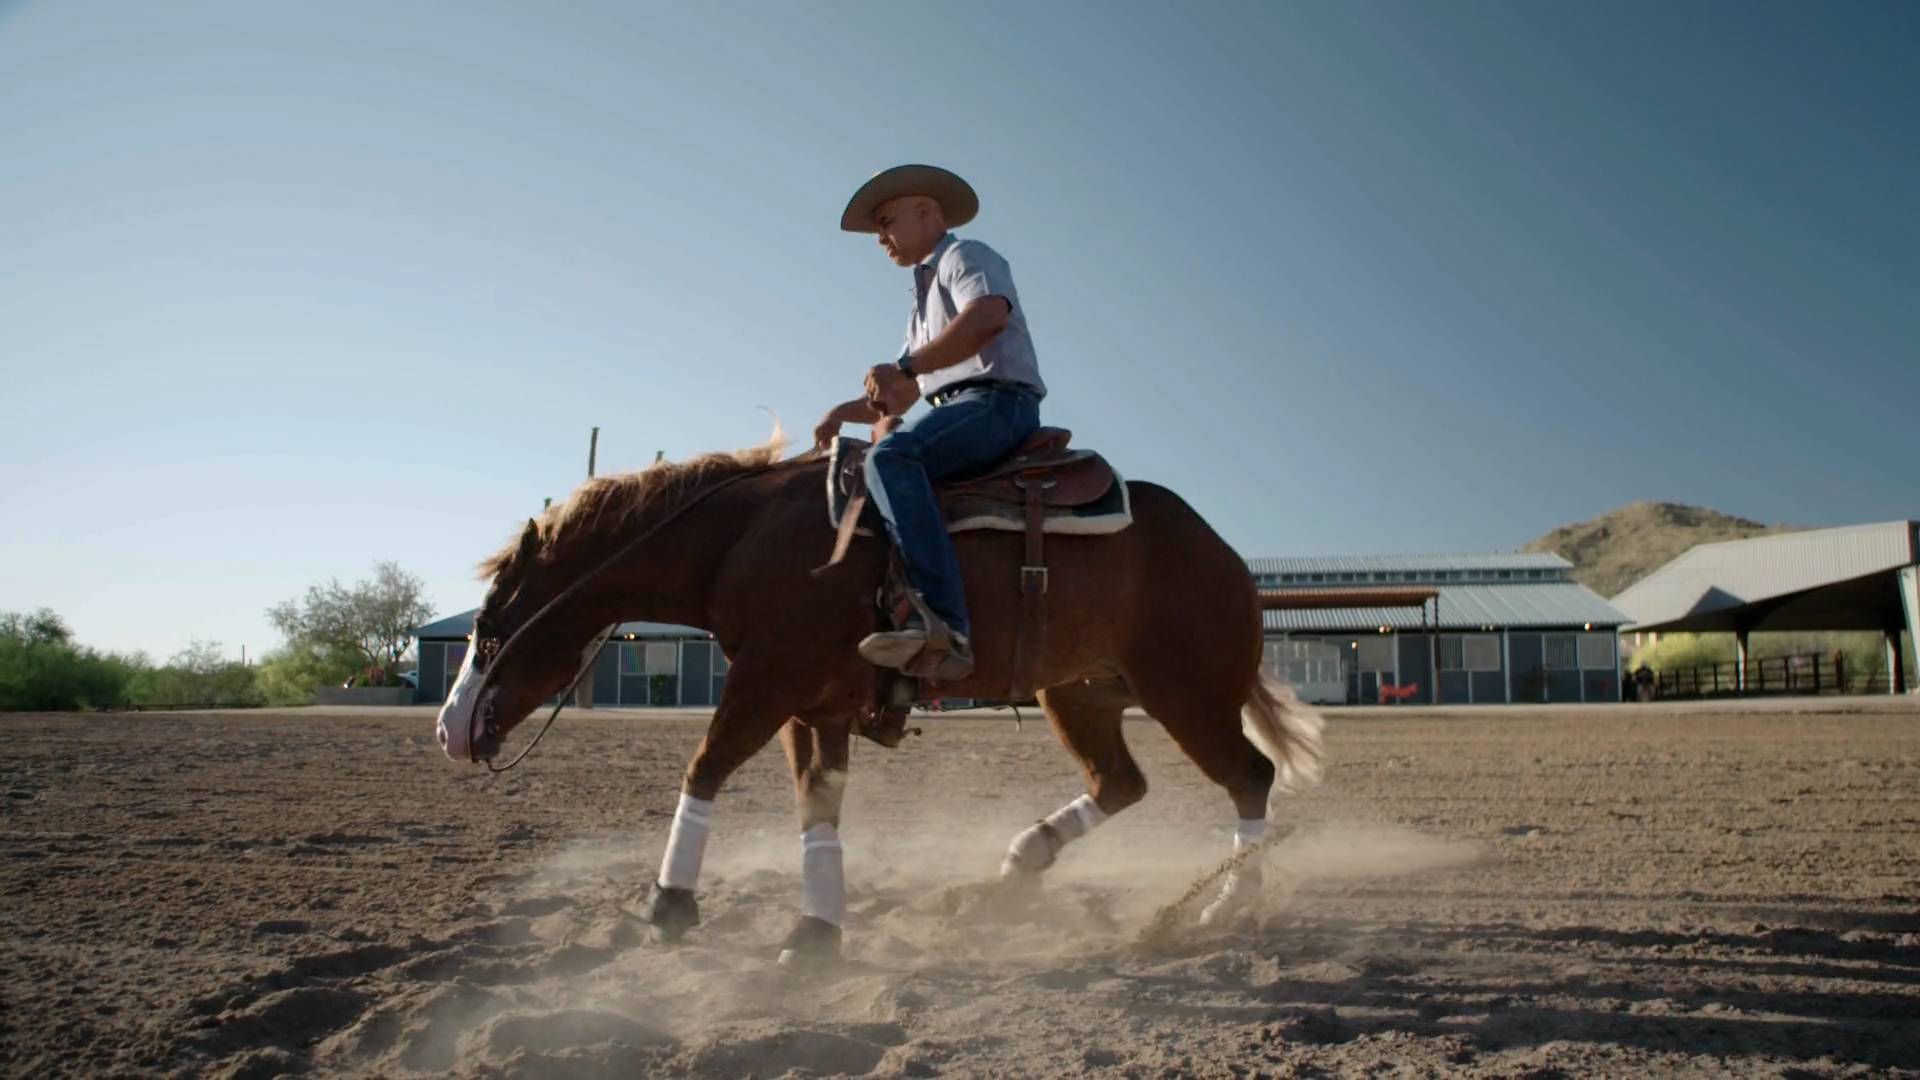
(490, 649)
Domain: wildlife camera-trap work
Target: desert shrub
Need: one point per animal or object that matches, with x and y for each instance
(42, 668)
(196, 675)
(289, 676)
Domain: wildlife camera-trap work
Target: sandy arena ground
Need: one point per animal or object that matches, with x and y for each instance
(1604, 891)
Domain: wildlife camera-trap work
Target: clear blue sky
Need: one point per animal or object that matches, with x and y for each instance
(289, 288)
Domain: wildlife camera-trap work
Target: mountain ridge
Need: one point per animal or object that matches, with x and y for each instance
(1625, 544)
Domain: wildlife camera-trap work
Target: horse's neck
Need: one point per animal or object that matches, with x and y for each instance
(669, 576)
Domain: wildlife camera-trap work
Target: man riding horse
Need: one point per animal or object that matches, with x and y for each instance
(968, 353)
(726, 541)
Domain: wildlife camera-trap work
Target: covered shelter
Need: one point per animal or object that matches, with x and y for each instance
(1859, 577)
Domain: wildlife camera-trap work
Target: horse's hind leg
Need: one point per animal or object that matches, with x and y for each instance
(1086, 717)
(1207, 725)
(818, 753)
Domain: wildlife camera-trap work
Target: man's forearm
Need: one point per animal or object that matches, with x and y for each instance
(964, 337)
(857, 411)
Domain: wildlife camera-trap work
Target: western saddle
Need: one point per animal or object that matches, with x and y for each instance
(1044, 486)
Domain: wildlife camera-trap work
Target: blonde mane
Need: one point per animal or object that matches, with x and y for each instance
(619, 500)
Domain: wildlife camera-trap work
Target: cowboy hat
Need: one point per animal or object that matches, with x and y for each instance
(958, 203)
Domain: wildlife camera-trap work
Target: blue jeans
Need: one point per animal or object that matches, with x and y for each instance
(966, 434)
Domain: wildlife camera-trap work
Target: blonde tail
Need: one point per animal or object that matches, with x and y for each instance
(1285, 729)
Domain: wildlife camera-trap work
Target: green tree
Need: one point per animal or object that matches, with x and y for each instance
(373, 620)
(288, 676)
(199, 674)
(41, 626)
(41, 667)
(1675, 651)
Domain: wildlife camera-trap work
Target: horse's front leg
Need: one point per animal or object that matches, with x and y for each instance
(818, 752)
(746, 719)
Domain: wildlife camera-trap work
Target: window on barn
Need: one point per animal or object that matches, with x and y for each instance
(1375, 653)
(1596, 651)
(1563, 652)
(1482, 651)
(1470, 652)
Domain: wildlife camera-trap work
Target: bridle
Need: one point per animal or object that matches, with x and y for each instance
(488, 728)
(488, 650)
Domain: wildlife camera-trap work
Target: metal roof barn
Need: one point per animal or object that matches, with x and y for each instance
(1824, 579)
(1860, 577)
(1437, 628)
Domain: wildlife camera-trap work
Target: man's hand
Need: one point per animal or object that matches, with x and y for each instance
(893, 390)
(824, 432)
(859, 410)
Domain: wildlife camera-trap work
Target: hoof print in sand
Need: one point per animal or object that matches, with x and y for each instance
(552, 1031)
(776, 1052)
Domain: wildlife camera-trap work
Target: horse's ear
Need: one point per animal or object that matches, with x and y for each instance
(529, 543)
(507, 579)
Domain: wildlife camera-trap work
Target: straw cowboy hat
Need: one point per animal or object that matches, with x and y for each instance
(958, 203)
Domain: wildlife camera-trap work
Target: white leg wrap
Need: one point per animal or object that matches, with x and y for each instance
(1249, 832)
(1244, 879)
(823, 892)
(686, 843)
(1077, 818)
(1034, 849)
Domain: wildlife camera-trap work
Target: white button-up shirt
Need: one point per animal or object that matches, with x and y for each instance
(953, 275)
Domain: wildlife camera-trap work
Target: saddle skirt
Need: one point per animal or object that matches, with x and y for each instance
(1081, 494)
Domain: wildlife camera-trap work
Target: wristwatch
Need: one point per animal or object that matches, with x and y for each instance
(905, 363)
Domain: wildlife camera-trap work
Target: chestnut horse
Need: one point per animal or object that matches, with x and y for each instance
(1162, 614)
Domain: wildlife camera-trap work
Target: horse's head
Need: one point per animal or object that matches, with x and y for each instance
(500, 686)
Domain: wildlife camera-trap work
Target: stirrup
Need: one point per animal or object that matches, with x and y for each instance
(949, 666)
(919, 650)
(887, 726)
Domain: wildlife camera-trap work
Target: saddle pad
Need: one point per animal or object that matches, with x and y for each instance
(1110, 513)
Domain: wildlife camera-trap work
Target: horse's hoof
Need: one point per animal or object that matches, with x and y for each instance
(1017, 880)
(1218, 912)
(813, 944)
(1235, 897)
(673, 912)
(1032, 853)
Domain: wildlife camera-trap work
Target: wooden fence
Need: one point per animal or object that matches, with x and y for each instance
(1806, 673)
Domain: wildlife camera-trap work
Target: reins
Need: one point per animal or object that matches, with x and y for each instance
(586, 666)
(593, 654)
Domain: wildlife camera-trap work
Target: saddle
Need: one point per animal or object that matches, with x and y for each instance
(1044, 486)
(1079, 492)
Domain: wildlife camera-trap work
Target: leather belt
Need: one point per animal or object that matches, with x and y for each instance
(947, 393)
